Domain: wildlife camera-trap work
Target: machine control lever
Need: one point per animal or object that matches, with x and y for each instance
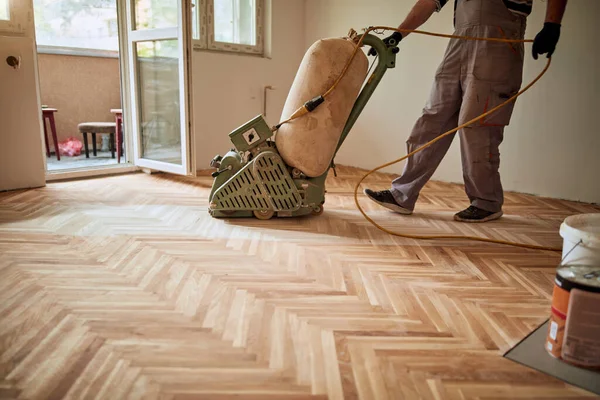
(219, 172)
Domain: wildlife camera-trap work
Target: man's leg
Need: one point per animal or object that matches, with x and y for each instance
(420, 167)
(479, 145)
(481, 162)
(485, 88)
(439, 115)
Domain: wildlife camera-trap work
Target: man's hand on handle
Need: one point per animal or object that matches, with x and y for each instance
(389, 41)
(418, 15)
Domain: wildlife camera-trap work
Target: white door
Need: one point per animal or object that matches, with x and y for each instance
(156, 66)
(22, 160)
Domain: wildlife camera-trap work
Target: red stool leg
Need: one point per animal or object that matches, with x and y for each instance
(54, 138)
(118, 139)
(46, 136)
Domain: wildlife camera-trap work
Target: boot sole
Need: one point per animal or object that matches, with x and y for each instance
(392, 207)
(492, 217)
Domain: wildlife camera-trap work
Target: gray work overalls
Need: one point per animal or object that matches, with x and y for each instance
(474, 76)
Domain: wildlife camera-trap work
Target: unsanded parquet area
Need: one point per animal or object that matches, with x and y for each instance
(125, 288)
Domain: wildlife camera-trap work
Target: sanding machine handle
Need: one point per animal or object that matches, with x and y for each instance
(386, 60)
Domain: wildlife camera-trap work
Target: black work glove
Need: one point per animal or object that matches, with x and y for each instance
(546, 40)
(389, 41)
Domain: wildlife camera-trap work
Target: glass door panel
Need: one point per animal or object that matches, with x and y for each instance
(157, 69)
(156, 14)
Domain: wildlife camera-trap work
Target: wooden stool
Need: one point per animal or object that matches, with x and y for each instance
(101, 128)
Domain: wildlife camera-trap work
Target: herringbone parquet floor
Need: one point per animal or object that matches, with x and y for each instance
(125, 288)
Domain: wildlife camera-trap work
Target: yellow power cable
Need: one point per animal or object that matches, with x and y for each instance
(299, 113)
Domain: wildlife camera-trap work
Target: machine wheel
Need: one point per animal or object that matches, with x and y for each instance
(264, 214)
(318, 210)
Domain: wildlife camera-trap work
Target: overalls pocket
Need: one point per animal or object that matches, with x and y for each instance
(497, 61)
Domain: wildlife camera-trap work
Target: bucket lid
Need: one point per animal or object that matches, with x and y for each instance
(579, 277)
(582, 227)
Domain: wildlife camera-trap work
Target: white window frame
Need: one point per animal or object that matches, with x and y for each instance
(205, 26)
(16, 24)
(74, 51)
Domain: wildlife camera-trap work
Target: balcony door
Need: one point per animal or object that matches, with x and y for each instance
(156, 39)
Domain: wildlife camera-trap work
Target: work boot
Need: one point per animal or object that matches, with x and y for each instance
(474, 214)
(386, 199)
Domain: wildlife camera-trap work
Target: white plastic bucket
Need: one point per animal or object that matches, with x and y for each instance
(581, 240)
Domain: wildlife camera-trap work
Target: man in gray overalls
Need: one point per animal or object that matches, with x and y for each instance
(474, 76)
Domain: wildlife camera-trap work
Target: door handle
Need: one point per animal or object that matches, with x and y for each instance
(13, 61)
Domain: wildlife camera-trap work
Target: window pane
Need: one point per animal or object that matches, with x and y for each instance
(90, 24)
(154, 14)
(158, 66)
(4, 11)
(235, 21)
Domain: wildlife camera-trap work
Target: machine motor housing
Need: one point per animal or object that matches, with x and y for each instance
(253, 180)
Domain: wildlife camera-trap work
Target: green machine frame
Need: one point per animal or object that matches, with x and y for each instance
(253, 180)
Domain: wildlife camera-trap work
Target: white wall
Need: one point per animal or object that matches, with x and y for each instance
(552, 146)
(228, 88)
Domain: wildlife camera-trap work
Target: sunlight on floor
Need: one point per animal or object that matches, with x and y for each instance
(103, 158)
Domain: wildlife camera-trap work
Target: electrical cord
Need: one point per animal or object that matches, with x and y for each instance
(305, 110)
(371, 67)
(425, 237)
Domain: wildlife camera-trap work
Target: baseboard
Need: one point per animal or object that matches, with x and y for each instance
(205, 172)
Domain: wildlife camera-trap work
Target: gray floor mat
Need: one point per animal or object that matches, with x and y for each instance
(531, 353)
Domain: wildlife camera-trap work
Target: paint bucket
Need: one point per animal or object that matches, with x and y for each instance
(574, 328)
(576, 294)
(581, 240)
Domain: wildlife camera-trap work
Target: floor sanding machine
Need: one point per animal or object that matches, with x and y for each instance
(281, 170)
